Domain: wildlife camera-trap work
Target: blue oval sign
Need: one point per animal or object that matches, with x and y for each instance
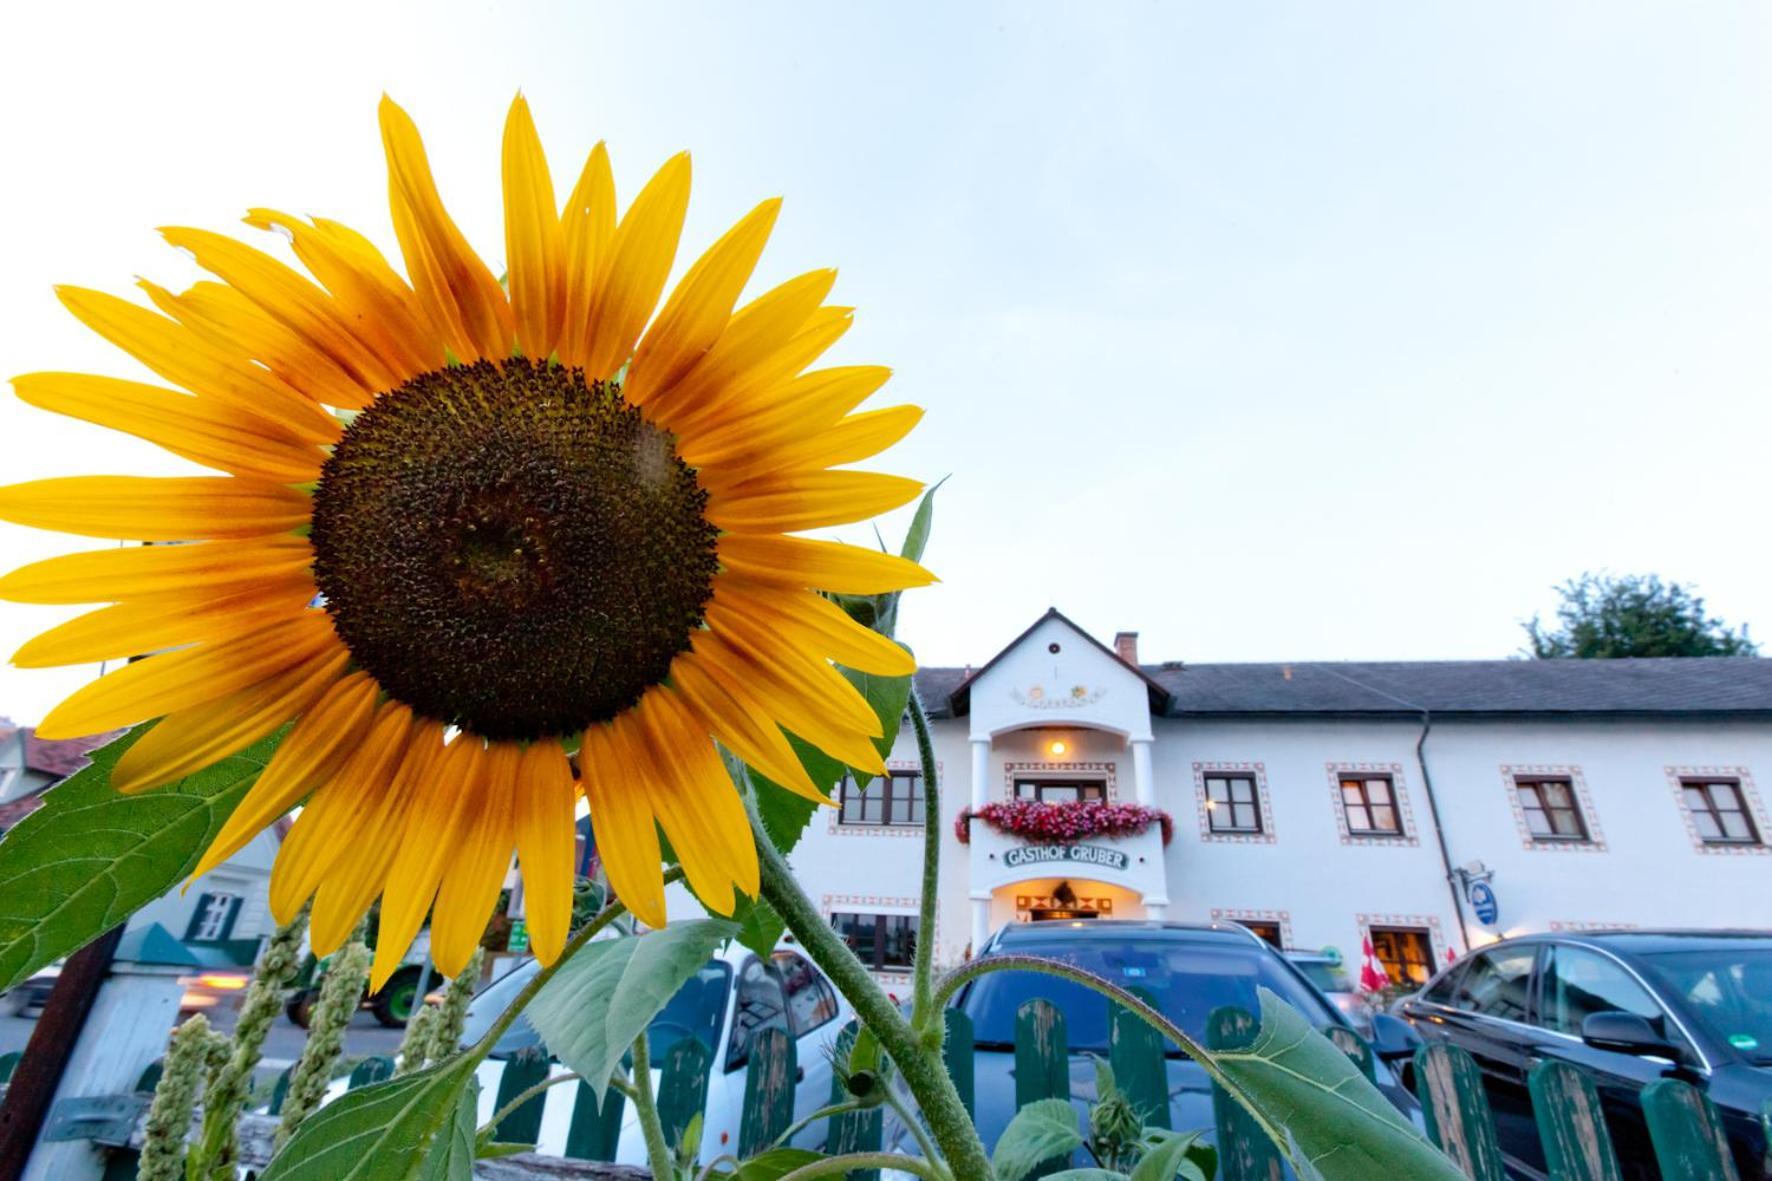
(1484, 904)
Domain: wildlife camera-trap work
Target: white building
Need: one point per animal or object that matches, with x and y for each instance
(1321, 803)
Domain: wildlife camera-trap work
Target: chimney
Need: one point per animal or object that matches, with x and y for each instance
(1126, 645)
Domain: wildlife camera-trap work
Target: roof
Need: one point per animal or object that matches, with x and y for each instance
(55, 757)
(958, 698)
(1709, 686)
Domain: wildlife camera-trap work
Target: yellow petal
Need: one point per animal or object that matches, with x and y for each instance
(621, 819)
(639, 262)
(743, 725)
(817, 622)
(535, 244)
(186, 359)
(756, 388)
(287, 298)
(808, 500)
(792, 660)
(153, 625)
(482, 857)
(145, 508)
(542, 813)
(821, 565)
(310, 755)
(436, 825)
(191, 739)
(795, 412)
(698, 805)
(701, 306)
(796, 700)
(588, 225)
(455, 288)
(855, 438)
(190, 573)
(208, 431)
(178, 680)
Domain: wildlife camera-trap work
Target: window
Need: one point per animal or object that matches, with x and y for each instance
(1579, 982)
(893, 801)
(1231, 804)
(1060, 791)
(1406, 953)
(1550, 809)
(881, 941)
(1719, 812)
(811, 1002)
(1267, 931)
(213, 919)
(759, 1006)
(1370, 804)
(1496, 983)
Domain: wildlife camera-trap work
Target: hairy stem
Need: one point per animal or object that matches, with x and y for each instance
(912, 1124)
(925, 1018)
(658, 1153)
(923, 1071)
(524, 1096)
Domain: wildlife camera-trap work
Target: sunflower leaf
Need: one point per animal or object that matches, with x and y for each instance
(606, 995)
(387, 1131)
(759, 927)
(91, 856)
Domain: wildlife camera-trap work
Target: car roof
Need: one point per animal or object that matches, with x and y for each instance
(1112, 930)
(1646, 940)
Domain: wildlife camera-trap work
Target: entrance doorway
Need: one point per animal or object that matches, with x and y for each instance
(1064, 901)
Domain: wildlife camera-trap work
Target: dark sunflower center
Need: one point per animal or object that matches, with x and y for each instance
(509, 549)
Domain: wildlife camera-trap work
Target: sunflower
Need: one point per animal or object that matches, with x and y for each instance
(488, 545)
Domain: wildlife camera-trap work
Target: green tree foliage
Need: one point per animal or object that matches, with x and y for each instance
(1605, 617)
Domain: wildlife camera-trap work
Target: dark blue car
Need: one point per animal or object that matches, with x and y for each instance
(1190, 970)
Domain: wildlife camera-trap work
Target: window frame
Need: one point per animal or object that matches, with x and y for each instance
(1041, 782)
(1703, 784)
(1426, 935)
(1253, 803)
(876, 961)
(1535, 783)
(885, 792)
(231, 904)
(1362, 780)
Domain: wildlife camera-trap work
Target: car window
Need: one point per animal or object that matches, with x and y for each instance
(1441, 991)
(1325, 975)
(1496, 984)
(811, 1002)
(757, 1005)
(1728, 990)
(1579, 982)
(696, 1008)
(1187, 980)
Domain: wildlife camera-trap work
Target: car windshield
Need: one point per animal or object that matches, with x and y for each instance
(1728, 989)
(696, 1009)
(1325, 975)
(1187, 980)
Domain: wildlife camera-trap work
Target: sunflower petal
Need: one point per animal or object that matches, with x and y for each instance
(435, 827)
(589, 226)
(148, 508)
(798, 411)
(736, 721)
(455, 288)
(309, 756)
(792, 659)
(786, 696)
(188, 573)
(203, 430)
(808, 500)
(701, 306)
(542, 814)
(482, 857)
(173, 681)
(822, 624)
(639, 262)
(535, 244)
(621, 816)
(153, 625)
(820, 565)
(700, 811)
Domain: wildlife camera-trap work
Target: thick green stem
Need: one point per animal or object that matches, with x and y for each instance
(523, 1096)
(862, 1160)
(923, 1071)
(924, 1018)
(658, 1153)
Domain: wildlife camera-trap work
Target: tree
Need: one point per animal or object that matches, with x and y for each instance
(1604, 617)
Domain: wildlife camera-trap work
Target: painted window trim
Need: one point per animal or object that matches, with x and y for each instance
(1584, 802)
(1264, 801)
(1404, 839)
(1750, 796)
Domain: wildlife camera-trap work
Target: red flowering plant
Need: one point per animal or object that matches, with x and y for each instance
(1037, 820)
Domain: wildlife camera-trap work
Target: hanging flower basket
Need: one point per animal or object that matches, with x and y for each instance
(1048, 822)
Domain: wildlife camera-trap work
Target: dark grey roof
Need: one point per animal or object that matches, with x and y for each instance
(1698, 685)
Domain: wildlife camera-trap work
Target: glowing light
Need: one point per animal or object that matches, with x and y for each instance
(1058, 746)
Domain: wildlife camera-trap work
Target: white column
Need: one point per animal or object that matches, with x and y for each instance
(981, 772)
(1142, 781)
(981, 921)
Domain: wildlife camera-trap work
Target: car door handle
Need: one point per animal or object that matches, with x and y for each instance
(800, 1075)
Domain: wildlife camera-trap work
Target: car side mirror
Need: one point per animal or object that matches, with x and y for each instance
(1393, 1038)
(1627, 1033)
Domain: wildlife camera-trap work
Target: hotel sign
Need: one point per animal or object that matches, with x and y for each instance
(1071, 854)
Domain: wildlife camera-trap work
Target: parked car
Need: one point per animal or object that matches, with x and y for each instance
(205, 992)
(1629, 1007)
(726, 1004)
(1189, 969)
(1326, 970)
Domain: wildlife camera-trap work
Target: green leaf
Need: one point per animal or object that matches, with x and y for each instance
(605, 996)
(1337, 1122)
(916, 539)
(1170, 1156)
(1105, 1087)
(452, 1153)
(1040, 1131)
(90, 856)
(382, 1132)
(759, 927)
(493, 1149)
(775, 1163)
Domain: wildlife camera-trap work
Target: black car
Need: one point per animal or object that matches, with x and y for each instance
(1190, 970)
(1629, 1007)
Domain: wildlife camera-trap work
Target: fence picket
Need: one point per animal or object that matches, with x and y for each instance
(683, 1087)
(1449, 1084)
(1687, 1133)
(1135, 1051)
(1356, 1047)
(594, 1132)
(280, 1091)
(1244, 1151)
(959, 1053)
(1571, 1124)
(858, 1131)
(522, 1071)
(371, 1070)
(769, 1082)
(8, 1064)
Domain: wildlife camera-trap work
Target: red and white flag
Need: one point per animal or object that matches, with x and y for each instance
(1373, 977)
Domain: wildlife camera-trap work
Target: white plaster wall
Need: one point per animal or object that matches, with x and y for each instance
(1078, 685)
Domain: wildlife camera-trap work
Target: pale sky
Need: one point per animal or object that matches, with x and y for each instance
(1272, 331)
